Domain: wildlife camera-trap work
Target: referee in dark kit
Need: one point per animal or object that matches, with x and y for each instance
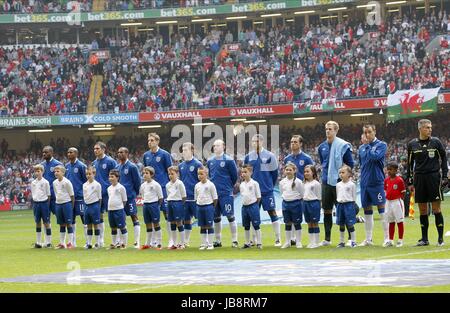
(427, 176)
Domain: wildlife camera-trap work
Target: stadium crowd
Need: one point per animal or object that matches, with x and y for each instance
(197, 71)
(56, 6)
(16, 166)
(43, 81)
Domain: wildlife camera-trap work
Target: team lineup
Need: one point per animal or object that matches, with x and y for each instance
(193, 190)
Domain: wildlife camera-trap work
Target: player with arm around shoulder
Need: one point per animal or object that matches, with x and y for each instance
(189, 177)
(92, 196)
(205, 195)
(130, 178)
(176, 196)
(64, 202)
(395, 208)
(311, 202)
(103, 164)
(151, 193)
(345, 209)
(251, 198)
(40, 192)
(117, 200)
(292, 191)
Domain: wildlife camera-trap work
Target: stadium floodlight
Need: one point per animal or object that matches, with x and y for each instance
(167, 22)
(149, 126)
(202, 124)
(99, 128)
(202, 20)
(304, 118)
(290, 20)
(271, 15)
(238, 120)
(131, 24)
(40, 130)
(361, 114)
(145, 29)
(337, 9)
(395, 2)
(102, 125)
(423, 8)
(255, 121)
(258, 22)
(304, 12)
(236, 17)
(392, 11)
(365, 6)
(327, 17)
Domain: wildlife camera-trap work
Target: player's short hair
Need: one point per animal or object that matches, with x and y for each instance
(393, 165)
(114, 172)
(38, 167)
(150, 169)
(91, 169)
(348, 168)
(101, 144)
(173, 168)
(203, 168)
(124, 148)
(423, 122)
(61, 168)
(189, 145)
(258, 137)
(154, 135)
(335, 125)
(298, 137)
(73, 149)
(247, 167)
(50, 148)
(370, 126)
(403, 158)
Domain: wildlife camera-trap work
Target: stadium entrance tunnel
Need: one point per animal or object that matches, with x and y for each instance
(394, 272)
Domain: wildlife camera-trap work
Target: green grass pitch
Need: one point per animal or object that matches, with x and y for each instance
(17, 233)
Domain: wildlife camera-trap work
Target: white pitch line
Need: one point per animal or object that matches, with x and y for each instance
(410, 253)
(138, 289)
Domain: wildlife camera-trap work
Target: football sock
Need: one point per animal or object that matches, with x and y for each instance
(439, 220)
(48, 235)
(247, 236)
(276, 229)
(258, 236)
(181, 231)
(38, 235)
(210, 236)
(328, 224)
(234, 231)
(97, 235)
(401, 230)
(298, 234)
(341, 234)
(218, 231)
(392, 231)
(124, 236)
(288, 232)
(73, 239)
(137, 232)
(148, 241)
(368, 224)
(385, 226)
(187, 234)
(424, 226)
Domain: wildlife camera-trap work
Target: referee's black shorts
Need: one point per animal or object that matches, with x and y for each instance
(427, 188)
(328, 196)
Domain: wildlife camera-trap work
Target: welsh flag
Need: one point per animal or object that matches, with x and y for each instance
(411, 103)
